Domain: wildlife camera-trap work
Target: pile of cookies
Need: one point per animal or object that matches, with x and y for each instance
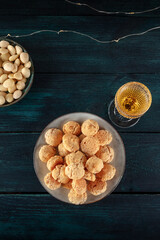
(14, 71)
(78, 159)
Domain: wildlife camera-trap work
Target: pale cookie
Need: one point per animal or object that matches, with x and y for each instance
(53, 161)
(94, 164)
(107, 173)
(62, 151)
(77, 198)
(104, 137)
(106, 153)
(72, 127)
(89, 146)
(89, 127)
(97, 187)
(58, 174)
(75, 171)
(46, 152)
(81, 137)
(77, 157)
(71, 142)
(89, 176)
(50, 182)
(53, 136)
(79, 186)
(68, 185)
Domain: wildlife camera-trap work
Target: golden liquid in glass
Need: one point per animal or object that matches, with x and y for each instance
(133, 99)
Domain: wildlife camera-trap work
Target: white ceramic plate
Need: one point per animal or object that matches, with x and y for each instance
(118, 161)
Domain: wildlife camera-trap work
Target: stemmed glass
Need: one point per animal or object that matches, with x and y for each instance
(131, 101)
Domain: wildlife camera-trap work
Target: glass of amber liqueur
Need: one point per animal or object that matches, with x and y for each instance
(131, 101)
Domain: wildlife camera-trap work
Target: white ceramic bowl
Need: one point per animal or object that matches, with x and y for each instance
(118, 161)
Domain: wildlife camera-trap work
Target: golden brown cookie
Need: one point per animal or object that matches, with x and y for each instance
(81, 137)
(50, 182)
(89, 127)
(79, 185)
(97, 187)
(89, 146)
(71, 142)
(107, 173)
(75, 171)
(46, 152)
(62, 151)
(53, 136)
(53, 161)
(77, 157)
(104, 137)
(77, 198)
(106, 153)
(94, 164)
(89, 176)
(72, 127)
(68, 185)
(58, 174)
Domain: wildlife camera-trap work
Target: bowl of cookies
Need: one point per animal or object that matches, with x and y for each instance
(16, 72)
(79, 158)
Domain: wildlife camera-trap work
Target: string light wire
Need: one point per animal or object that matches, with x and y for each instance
(83, 34)
(109, 13)
(89, 36)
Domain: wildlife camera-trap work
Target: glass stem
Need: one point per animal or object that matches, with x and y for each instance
(116, 113)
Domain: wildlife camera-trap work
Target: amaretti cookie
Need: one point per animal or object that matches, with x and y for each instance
(79, 185)
(58, 174)
(77, 157)
(62, 151)
(97, 187)
(68, 185)
(53, 136)
(107, 173)
(89, 176)
(71, 142)
(50, 182)
(75, 171)
(89, 146)
(94, 164)
(89, 127)
(72, 127)
(106, 153)
(104, 137)
(46, 152)
(77, 198)
(53, 161)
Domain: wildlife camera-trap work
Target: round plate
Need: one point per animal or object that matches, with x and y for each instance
(118, 161)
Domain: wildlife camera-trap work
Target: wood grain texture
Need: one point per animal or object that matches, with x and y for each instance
(53, 95)
(71, 53)
(116, 217)
(142, 172)
(73, 73)
(60, 7)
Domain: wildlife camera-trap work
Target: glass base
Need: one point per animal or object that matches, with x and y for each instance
(118, 119)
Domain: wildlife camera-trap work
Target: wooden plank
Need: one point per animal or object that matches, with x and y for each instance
(116, 217)
(71, 53)
(60, 7)
(53, 95)
(141, 174)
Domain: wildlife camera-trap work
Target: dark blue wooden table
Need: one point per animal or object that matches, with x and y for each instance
(73, 73)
